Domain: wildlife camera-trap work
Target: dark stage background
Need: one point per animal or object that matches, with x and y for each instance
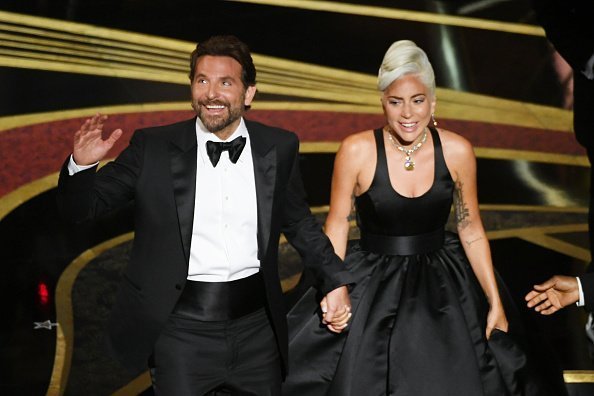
(501, 84)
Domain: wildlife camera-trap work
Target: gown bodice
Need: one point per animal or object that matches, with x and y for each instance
(381, 210)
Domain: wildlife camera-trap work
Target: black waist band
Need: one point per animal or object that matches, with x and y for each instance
(403, 245)
(215, 301)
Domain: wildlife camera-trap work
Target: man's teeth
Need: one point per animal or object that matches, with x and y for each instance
(215, 107)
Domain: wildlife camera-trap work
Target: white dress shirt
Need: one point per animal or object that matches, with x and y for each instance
(589, 68)
(73, 167)
(224, 238)
(581, 302)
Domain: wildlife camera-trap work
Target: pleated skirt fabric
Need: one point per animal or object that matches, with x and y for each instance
(418, 329)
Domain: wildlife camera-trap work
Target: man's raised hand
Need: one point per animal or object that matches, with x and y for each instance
(89, 145)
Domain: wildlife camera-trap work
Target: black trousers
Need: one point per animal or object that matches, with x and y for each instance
(231, 357)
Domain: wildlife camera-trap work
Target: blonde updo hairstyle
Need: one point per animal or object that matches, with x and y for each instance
(404, 58)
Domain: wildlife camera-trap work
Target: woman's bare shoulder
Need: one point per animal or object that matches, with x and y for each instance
(455, 144)
(358, 141)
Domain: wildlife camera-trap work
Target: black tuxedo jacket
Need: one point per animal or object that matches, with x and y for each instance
(587, 282)
(158, 172)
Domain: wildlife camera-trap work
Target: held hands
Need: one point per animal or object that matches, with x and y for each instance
(496, 319)
(89, 146)
(554, 294)
(336, 309)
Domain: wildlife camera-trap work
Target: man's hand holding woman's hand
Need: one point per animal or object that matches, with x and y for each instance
(336, 309)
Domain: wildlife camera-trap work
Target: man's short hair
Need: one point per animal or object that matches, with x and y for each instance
(226, 46)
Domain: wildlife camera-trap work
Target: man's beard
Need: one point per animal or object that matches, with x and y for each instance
(220, 122)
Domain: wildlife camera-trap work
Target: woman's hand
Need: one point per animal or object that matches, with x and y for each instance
(496, 319)
(338, 320)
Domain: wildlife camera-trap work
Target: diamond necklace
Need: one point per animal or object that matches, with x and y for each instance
(409, 164)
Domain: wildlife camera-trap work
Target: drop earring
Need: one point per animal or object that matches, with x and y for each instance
(433, 119)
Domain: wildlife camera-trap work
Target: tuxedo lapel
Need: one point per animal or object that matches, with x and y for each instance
(183, 151)
(265, 162)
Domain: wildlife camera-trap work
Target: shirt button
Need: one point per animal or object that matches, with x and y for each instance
(226, 198)
(178, 286)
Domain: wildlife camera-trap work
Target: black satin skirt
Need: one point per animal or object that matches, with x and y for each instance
(418, 329)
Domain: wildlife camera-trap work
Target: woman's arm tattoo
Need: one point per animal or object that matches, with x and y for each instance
(473, 241)
(462, 214)
(351, 215)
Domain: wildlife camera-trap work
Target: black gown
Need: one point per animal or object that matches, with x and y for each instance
(419, 312)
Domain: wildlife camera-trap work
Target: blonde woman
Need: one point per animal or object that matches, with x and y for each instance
(426, 309)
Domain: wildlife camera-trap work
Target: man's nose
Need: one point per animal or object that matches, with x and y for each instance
(212, 91)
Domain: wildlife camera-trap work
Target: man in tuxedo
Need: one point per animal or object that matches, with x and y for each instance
(568, 26)
(201, 300)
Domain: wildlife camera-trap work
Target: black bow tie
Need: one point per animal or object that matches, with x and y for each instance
(235, 147)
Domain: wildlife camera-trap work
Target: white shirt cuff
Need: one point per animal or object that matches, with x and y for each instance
(74, 168)
(580, 302)
(589, 69)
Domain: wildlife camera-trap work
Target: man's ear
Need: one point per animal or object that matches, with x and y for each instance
(250, 92)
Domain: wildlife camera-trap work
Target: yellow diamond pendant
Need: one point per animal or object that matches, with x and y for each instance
(409, 164)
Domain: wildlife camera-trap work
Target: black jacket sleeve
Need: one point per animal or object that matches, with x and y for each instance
(305, 233)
